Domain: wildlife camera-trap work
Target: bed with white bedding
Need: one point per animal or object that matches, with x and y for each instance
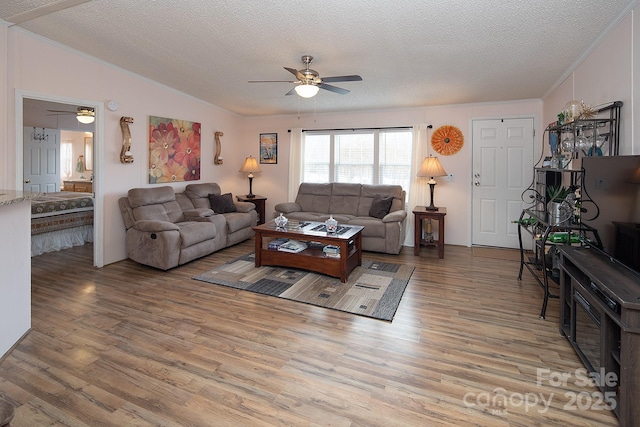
(61, 220)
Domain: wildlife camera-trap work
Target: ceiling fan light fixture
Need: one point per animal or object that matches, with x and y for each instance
(307, 90)
(85, 115)
(85, 119)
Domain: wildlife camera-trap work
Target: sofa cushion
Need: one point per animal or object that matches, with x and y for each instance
(193, 232)
(199, 193)
(314, 197)
(222, 203)
(373, 227)
(238, 220)
(380, 206)
(150, 196)
(157, 203)
(345, 198)
(370, 192)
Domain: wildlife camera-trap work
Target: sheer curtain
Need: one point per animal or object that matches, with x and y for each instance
(295, 163)
(418, 189)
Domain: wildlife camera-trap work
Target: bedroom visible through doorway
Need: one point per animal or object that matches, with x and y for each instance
(73, 156)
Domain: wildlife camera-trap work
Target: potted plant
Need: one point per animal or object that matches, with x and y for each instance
(556, 196)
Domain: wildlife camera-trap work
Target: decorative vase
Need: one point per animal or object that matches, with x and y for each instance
(331, 225)
(281, 221)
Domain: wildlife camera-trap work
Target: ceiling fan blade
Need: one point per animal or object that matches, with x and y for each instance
(352, 78)
(291, 92)
(273, 81)
(62, 112)
(296, 73)
(335, 89)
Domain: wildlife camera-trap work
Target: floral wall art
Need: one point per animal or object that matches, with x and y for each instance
(174, 150)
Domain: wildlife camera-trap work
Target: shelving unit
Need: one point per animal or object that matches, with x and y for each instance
(600, 316)
(597, 135)
(535, 223)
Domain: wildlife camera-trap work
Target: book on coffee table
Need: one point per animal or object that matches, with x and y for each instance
(293, 246)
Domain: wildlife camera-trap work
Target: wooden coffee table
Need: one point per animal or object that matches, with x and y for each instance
(348, 239)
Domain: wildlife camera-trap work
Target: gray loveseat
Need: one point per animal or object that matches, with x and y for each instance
(166, 229)
(351, 204)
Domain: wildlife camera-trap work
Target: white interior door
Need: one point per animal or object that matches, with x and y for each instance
(41, 159)
(502, 170)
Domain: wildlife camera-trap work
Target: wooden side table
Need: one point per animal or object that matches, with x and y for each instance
(420, 213)
(259, 202)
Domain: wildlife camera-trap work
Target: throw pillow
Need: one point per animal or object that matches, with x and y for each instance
(222, 203)
(380, 206)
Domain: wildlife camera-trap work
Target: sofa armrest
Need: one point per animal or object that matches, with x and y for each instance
(244, 207)
(155, 226)
(395, 216)
(288, 207)
(196, 214)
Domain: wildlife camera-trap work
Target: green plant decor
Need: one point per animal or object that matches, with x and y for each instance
(557, 194)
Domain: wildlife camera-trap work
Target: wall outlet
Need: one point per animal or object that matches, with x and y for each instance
(449, 178)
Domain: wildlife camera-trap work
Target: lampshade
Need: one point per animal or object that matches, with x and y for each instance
(307, 90)
(250, 165)
(431, 167)
(85, 119)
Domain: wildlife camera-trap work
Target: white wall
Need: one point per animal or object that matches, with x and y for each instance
(15, 265)
(69, 74)
(456, 196)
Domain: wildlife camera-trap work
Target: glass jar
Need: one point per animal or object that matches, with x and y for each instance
(331, 224)
(281, 221)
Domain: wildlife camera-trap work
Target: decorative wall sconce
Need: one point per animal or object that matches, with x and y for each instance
(126, 156)
(217, 160)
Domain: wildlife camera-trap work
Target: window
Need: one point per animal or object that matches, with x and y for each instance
(361, 156)
(66, 159)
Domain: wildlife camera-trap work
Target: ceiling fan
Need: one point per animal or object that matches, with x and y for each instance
(84, 115)
(309, 81)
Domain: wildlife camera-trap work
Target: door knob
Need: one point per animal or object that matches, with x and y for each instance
(26, 181)
(477, 183)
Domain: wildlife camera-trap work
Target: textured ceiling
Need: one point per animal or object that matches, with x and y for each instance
(409, 52)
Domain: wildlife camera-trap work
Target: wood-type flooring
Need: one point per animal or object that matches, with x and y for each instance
(129, 345)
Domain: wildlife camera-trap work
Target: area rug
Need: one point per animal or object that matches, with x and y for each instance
(373, 289)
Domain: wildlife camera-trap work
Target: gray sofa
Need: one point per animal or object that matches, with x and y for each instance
(351, 204)
(166, 229)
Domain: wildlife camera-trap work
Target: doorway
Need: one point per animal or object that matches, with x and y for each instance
(24, 101)
(502, 170)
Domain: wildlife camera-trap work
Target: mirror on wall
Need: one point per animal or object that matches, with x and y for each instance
(88, 153)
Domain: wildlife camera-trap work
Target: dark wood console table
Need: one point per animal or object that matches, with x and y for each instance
(600, 316)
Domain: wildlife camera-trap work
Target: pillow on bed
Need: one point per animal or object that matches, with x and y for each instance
(222, 203)
(380, 206)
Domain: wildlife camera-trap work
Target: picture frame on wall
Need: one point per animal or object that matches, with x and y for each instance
(269, 148)
(174, 150)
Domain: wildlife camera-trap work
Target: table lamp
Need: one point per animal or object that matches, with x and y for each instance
(250, 166)
(431, 167)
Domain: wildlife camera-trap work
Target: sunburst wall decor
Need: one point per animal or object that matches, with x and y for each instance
(447, 140)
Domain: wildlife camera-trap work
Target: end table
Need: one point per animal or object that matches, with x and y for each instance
(420, 213)
(259, 202)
